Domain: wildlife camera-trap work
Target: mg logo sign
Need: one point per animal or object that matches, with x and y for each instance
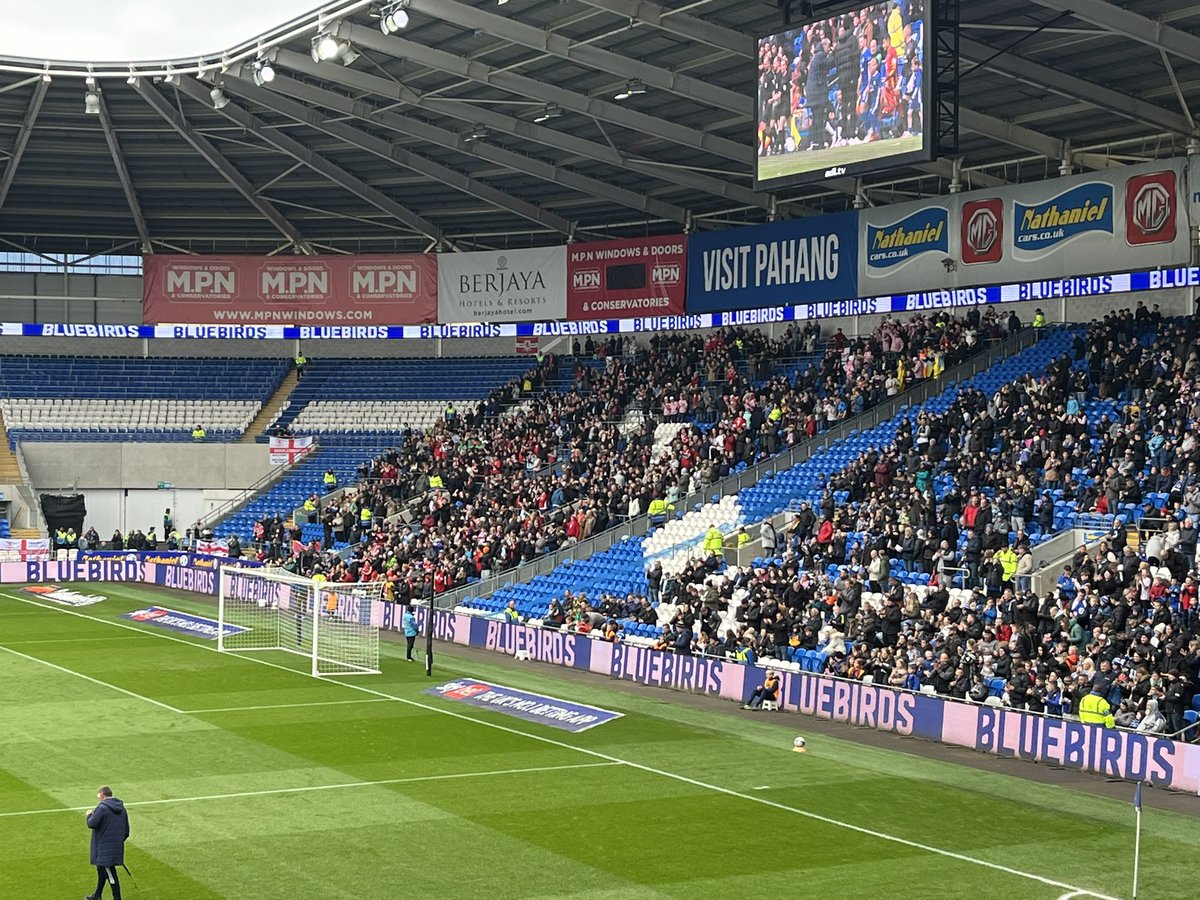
(983, 231)
(586, 280)
(1150, 209)
(666, 273)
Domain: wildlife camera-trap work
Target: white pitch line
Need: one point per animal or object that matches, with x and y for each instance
(91, 640)
(225, 709)
(949, 854)
(320, 787)
(113, 687)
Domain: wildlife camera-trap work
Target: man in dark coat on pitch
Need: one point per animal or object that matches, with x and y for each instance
(110, 829)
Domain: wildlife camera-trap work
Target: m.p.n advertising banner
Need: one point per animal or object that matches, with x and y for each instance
(503, 285)
(399, 289)
(616, 279)
(799, 261)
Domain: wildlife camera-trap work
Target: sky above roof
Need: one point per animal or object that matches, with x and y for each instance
(136, 30)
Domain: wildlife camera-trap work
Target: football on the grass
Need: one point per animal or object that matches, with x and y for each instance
(799, 743)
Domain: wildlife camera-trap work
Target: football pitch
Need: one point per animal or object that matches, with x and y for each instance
(804, 161)
(246, 778)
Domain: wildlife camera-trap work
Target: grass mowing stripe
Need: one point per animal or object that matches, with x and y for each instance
(113, 687)
(225, 709)
(88, 640)
(763, 801)
(454, 776)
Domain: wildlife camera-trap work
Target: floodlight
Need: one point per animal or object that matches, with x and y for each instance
(324, 47)
(393, 17)
(632, 87)
(262, 72)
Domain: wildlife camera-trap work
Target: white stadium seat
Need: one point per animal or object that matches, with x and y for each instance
(33, 414)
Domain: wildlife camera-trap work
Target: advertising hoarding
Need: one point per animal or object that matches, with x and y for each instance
(396, 289)
(502, 285)
(615, 279)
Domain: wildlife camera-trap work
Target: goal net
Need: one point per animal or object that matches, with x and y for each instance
(328, 623)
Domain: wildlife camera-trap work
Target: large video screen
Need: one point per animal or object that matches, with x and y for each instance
(845, 94)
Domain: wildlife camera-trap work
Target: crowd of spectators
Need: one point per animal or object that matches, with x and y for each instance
(507, 480)
(1122, 618)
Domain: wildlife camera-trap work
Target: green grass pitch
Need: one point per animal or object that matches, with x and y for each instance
(247, 780)
(797, 163)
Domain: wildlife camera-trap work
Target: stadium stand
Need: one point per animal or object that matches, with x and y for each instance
(302, 480)
(84, 398)
(591, 457)
(358, 409)
(772, 497)
(880, 577)
(361, 395)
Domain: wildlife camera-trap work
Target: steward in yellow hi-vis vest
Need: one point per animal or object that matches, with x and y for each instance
(1094, 709)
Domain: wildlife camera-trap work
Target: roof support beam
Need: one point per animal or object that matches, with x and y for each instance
(273, 99)
(948, 169)
(529, 131)
(1026, 70)
(214, 158)
(22, 141)
(1028, 139)
(1127, 23)
(475, 17)
(114, 149)
(521, 85)
(680, 24)
(516, 161)
(297, 151)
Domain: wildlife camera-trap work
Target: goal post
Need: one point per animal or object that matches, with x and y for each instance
(329, 623)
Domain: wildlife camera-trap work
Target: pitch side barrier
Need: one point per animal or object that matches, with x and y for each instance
(1113, 753)
(1026, 291)
(195, 572)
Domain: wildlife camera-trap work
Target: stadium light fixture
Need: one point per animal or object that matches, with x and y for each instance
(324, 47)
(393, 17)
(478, 133)
(549, 111)
(327, 48)
(220, 101)
(633, 87)
(262, 72)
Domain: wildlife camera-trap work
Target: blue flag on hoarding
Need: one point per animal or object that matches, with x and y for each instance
(1137, 797)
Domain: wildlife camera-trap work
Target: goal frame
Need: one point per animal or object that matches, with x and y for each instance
(312, 612)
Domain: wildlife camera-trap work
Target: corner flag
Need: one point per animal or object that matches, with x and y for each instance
(1137, 836)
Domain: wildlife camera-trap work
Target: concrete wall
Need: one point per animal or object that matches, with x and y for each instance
(129, 508)
(227, 467)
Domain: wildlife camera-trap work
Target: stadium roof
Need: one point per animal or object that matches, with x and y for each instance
(429, 135)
